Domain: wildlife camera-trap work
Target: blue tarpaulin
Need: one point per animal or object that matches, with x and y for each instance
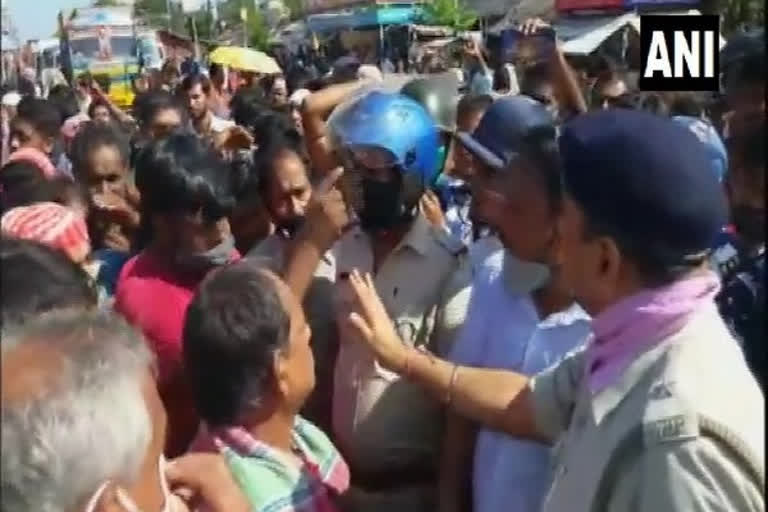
(370, 17)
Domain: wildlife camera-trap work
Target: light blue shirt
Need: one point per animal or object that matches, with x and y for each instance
(481, 83)
(503, 330)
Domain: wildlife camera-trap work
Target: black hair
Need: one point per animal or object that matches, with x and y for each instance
(501, 79)
(473, 103)
(266, 82)
(191, 81)
(267, 155)
(746, 72)
(611, 75)
(247, 105)
(180, 174)
(215, 68)
(156, 101)
(43, 115)
(534, 79)
(754, 150)
(245, 178)
(316, 84)
(252, 113)
(22, 183)
(233, 328)
(687, 104)
(92, 137)
(63, 96)
(26, 87)
(37, 279)
(298, 78)
(747, 148)
(650, 102)
(96, 104)
(245, 96)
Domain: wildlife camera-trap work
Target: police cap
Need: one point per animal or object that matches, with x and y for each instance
(645, 178)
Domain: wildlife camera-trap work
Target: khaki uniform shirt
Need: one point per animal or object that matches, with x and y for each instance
(383, 422)
(668, 395)
(318, 309)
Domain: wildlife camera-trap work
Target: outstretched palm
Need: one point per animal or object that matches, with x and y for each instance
(373, 324)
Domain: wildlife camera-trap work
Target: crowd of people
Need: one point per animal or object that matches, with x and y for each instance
(307, 294)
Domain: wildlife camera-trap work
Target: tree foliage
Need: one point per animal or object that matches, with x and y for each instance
(154, 13)
(105, 3)
(736, 14)
(256, 26)
(296, 8)
(450, 13)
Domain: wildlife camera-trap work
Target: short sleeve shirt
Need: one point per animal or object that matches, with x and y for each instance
(380, 420)
(665, 391)
(503, 330)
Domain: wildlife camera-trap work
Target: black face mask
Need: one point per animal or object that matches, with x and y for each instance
(383, 205)
(749, 223)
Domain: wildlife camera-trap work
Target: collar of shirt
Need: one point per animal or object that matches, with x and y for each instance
(319, 456)
(572, 314)
(639, 322)
(417, 238)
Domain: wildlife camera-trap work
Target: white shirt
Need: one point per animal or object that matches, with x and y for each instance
(504, 331)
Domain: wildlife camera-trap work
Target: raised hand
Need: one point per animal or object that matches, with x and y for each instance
(532, 25)
(430, 205)
(203, 480)
(327, 216)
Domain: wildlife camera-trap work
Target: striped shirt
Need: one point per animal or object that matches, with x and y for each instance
(271, 479)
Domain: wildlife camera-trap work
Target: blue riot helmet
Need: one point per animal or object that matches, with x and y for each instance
(389, 146)
(711, 143)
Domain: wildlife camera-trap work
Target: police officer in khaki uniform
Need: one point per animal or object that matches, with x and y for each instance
(659, 412)
(388, 429)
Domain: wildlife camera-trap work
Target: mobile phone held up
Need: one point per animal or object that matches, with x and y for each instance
(517, 47)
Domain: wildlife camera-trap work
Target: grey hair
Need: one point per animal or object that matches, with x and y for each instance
(94, 425)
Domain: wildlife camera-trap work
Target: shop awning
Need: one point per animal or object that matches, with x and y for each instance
(365, 18)
(581, 35)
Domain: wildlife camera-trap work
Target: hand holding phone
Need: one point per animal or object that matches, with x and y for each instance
(533, 41)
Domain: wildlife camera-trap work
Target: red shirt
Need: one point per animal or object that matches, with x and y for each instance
(154, 297)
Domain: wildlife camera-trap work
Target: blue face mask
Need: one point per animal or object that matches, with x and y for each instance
(523, 277)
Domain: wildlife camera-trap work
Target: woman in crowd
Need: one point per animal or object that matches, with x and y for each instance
(100, 156)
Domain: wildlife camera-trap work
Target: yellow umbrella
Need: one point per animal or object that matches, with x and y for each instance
(244, 59)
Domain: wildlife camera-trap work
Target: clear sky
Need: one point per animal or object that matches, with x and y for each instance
(36, 19)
